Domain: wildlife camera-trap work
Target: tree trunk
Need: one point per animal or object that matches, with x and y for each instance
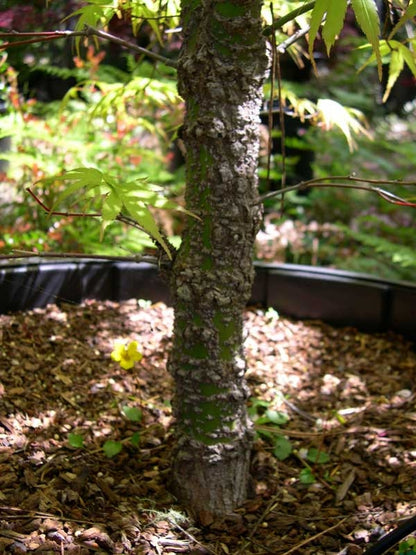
(221, 72)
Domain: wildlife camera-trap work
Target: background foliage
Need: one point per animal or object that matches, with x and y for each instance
(121, 117)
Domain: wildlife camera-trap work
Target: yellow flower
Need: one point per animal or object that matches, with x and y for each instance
(126, 355)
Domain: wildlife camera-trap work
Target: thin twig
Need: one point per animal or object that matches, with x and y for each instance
(41, 34)
(288, 17)
(331, 181)
(190, 536)
(283, 46)
(22, 513)
(27, 254)
(130, 46)
(62, 214)
(28, 41)
(272, 504)
(89, 31)
(315, 537)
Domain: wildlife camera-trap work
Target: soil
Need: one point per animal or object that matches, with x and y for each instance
(334, 460)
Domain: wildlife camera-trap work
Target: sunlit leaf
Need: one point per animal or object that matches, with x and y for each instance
(395, 68)
(111, 208)
(367, 18)
(133, 414)
(90, 15)
(142, 215)
(334, 22)
(112, 448)
(134, 197)
(348, 120)
(318, 12)
(76, 440)
(277, 417)
(409, 58)
(79, 179)
(139, 91)
(306, 476)
(282, 448)
(316, 456)
(395, 54)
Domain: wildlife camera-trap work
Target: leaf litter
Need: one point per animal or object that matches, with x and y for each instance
(85, 446)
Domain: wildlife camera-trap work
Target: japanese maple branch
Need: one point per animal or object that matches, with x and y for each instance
(28, 254)
(45, 36)
(121, 217)
(330, 181)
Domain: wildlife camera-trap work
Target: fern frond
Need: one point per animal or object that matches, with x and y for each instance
(62, 72)
(401, 255)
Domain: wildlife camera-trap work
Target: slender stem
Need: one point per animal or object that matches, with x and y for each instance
(89, 31)
(130, 46)
(41, 34)
(330, 181)
(315, 537)
(27, 254)
(28, 41)
(283, 46)
(288, 17)
(63, 214)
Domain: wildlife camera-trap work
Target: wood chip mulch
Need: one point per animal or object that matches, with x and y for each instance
(347, 396)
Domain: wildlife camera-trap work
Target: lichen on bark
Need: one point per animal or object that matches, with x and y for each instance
(220, 76)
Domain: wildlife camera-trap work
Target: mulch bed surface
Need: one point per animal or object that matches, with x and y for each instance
(348, 395)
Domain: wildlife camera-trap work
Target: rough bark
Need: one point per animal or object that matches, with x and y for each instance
(220, 76)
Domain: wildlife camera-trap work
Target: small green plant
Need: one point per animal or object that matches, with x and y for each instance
(306, 476)
(407, 547)
(132, 413)
(316, 456)
(268, 422)
(76, 440)
(111, 447)
(282, 448)
(308, 457)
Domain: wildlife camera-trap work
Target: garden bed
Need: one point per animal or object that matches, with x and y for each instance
(346, 394)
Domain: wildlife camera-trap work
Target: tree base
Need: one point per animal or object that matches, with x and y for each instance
(211, 480)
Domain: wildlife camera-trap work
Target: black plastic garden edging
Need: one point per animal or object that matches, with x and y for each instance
(303, 292)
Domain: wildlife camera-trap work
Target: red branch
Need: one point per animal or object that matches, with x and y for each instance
(65, 214)
(29, 41)
(354, 183)
(88, 32)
